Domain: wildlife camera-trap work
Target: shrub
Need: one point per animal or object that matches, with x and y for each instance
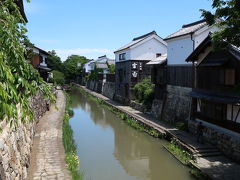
(58, 77)
(144, 91)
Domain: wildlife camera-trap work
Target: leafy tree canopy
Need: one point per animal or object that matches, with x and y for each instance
(73, 66)
(226, 16)
(18, 79)
(54, 62)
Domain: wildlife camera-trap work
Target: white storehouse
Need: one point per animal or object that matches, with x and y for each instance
(182, 43)
(131, 62)
(101, 62)
(145, 47)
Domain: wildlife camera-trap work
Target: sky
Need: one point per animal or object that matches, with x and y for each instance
(93, 28)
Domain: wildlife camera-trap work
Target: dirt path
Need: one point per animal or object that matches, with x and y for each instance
(48, 156)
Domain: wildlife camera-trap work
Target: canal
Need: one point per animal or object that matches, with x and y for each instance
(111, 150)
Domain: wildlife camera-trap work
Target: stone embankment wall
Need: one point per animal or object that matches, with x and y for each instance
(94, 86)
(109, 90)
(156, 110)
(177, 104)
(138, 106)
(105, 88)
(228, 142)
(15, 143)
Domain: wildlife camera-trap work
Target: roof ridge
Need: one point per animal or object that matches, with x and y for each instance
(193, 23)
(145, 35)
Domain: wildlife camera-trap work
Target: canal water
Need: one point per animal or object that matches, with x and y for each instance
(111, 150)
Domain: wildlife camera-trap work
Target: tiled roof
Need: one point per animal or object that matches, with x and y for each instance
(188, 29)
(136, 40)
(235, 51)
(159, 60)
(102, 65)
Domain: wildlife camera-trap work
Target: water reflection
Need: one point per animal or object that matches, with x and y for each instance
(139, 155)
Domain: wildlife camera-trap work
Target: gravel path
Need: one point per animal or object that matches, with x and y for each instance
(48, 156)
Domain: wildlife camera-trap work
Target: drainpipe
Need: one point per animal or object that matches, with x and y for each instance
(193, 41)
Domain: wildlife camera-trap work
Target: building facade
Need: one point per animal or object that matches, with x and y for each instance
(39, 62)
(178, 73)
(131, 62)
(216, 96)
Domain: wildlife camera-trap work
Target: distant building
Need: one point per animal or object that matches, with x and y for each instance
(39, 62)
(131, 62)
(216, 95)
(102, 63)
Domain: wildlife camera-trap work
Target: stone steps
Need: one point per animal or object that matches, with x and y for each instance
(206, 152)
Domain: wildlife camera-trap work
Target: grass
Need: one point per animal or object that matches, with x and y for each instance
(129, 120)
(72, 159)
(197, 174)
(182, 125)
(179, 153)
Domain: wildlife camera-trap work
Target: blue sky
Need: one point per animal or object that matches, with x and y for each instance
(96, 27)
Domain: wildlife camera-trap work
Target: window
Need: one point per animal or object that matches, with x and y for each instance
(122, 56)
(41, 59)
(230, 76)
(216, 111)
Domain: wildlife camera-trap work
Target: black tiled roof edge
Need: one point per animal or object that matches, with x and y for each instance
(145, 35)
(193, 23)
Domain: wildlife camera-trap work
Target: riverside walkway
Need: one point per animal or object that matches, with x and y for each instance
(48, 156)
(216, 167)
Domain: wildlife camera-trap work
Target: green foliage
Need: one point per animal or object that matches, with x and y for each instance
(144, 91)
(111, 67)
(182, 125)
(226, 17)
(69, 144)
(199, 175)
(54, 62)
(72, 68)
(179, 153)
(93, 76)
(58, 77)
(18, 79)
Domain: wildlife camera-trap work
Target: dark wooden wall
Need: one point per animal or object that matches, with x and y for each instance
(180, 75)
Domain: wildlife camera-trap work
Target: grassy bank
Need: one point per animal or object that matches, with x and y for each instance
(125, 117)
(185, 158)
(69, 144)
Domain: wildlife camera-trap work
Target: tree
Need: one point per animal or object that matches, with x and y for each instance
(73, 66)
(54, 62)
(58, 77)
(227, 18)
(144, 91)
(18, 79)
(93, 76)
(111, 68)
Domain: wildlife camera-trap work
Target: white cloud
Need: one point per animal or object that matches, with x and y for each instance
(89, 53)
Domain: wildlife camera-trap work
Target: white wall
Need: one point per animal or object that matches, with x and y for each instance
(179, 49)
(127, 51)
(148, 50)
(87, 67)
(200, 35)
(235, 111)
(44, 60)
